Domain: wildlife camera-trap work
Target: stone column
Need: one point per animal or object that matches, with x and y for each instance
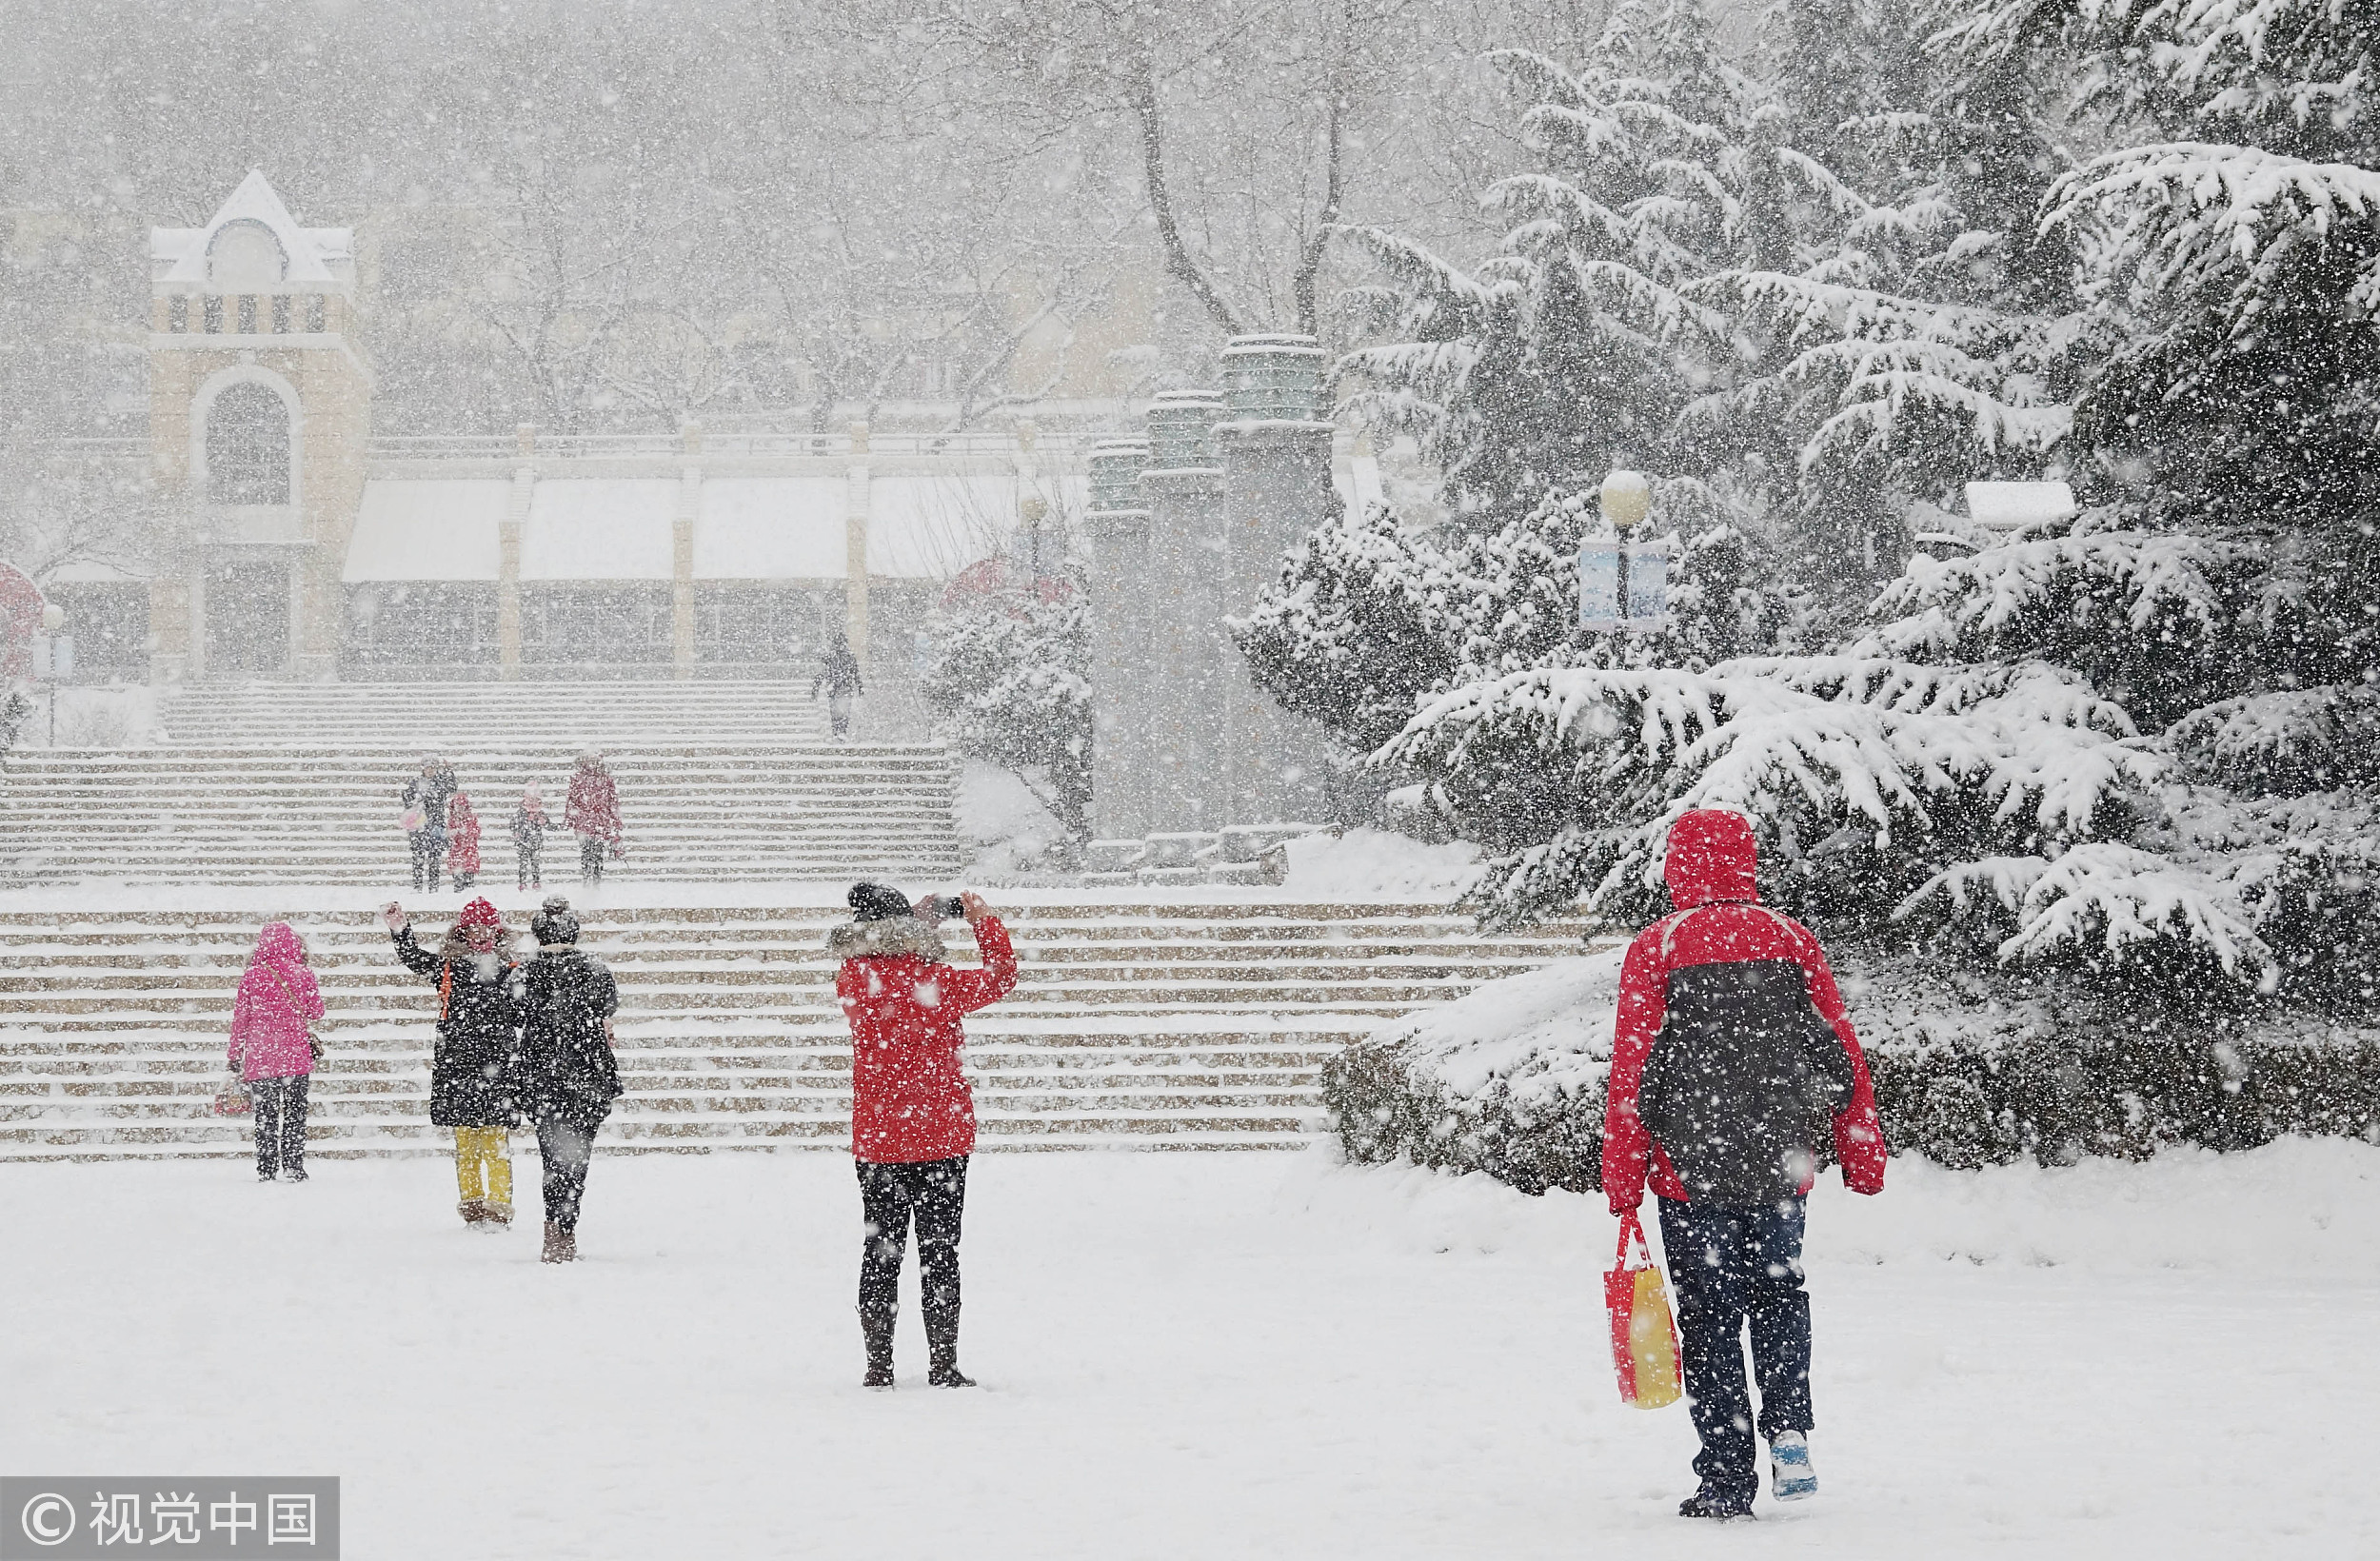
(508, 559)
(682, 556)
(855, 548)
(1276, 475)
(1119, 612)
(1190, 657)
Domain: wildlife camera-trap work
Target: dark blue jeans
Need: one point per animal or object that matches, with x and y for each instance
(1730, 1266)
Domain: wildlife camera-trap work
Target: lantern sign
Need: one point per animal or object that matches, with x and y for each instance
(1647, 575)
(21, 618)
(1623, 585)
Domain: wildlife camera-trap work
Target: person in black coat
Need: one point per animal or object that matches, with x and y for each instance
(839, 674)
(568, 1078)
(428, 793)
(471, 1082)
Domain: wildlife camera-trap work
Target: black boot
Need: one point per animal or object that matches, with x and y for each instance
(878, 1331)
(1722, 1506)
(941, 1349)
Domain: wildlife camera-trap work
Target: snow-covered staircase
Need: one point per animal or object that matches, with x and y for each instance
(492, 717)
(301, 813)
(1136, 1023)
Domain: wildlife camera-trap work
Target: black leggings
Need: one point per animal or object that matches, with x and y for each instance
(934, 1193)
(565, 1148)
(279, 1105)
(532, 867)
(592, 849)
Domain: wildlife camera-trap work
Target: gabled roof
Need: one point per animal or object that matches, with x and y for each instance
(315, 254)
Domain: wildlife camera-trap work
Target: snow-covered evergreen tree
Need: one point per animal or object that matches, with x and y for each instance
(1009, 677)
(1568, 351)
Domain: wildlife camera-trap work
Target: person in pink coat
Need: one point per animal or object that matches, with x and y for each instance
(462, 842)
(272, 1046)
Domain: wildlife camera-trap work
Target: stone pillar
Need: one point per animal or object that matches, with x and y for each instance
(1277, 487)
(1120, 613)
(855, 548)
(1190, 657)
(682, 556)
(195, 590)
(169, 617)
(508, 559)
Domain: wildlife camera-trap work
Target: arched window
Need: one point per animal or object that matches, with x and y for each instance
(245, 258)
(248, 447)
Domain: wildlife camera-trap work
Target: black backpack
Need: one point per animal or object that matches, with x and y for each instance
(1743, 1081)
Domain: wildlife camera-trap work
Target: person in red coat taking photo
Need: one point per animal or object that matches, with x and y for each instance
(912, 1113)
(1730, 1061)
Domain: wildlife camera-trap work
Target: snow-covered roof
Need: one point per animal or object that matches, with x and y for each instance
(427, 529)
(309, 257)
(773, 528)
(2004, 506)
(599, 528)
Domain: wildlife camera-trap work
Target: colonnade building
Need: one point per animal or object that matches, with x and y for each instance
(292, 541)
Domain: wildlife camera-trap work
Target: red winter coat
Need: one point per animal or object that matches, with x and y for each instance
(592, 806)
(909, 1101)
(461, 835)
(1709, 870)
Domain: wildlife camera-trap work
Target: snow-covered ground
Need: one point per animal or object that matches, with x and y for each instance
(1196, 1356)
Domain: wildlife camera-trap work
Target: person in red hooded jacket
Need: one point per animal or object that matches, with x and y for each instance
(1731, 1061)
(912, 1114)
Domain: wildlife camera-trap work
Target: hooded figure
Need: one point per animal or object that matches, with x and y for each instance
(473, 1063)
(912, 1114)
(1732, 1063)
(272, 1046)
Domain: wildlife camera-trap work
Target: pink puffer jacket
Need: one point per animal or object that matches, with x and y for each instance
(278, 999)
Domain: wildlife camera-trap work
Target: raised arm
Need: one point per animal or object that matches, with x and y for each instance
(969, 990)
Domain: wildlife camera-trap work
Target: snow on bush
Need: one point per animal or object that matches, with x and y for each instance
(1972, 1068)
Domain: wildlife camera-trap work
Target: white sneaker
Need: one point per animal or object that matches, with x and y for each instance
(1790, 1475)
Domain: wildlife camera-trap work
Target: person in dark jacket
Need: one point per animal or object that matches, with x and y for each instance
(425, 799)
(1730, 1061)
(839, 674)
(472, 1070)
(568, 1076)
(912, 1114)
(529, 824)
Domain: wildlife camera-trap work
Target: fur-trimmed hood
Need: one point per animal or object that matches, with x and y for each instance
(455, 948)
(890, 934)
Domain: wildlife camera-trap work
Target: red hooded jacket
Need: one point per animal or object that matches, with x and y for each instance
(1709, 870)
(909, 1098)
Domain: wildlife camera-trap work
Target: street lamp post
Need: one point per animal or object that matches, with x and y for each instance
(53, 617)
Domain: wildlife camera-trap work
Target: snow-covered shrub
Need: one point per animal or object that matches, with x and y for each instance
(1010, 677)
(1974, 1068)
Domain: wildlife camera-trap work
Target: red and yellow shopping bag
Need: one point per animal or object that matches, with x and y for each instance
(1644, 1337)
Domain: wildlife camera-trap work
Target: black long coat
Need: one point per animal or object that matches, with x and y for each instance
(567, 1072)
(472, 1071)
(431, 793)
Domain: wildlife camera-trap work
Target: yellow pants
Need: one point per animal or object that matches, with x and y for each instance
(483, 1164)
